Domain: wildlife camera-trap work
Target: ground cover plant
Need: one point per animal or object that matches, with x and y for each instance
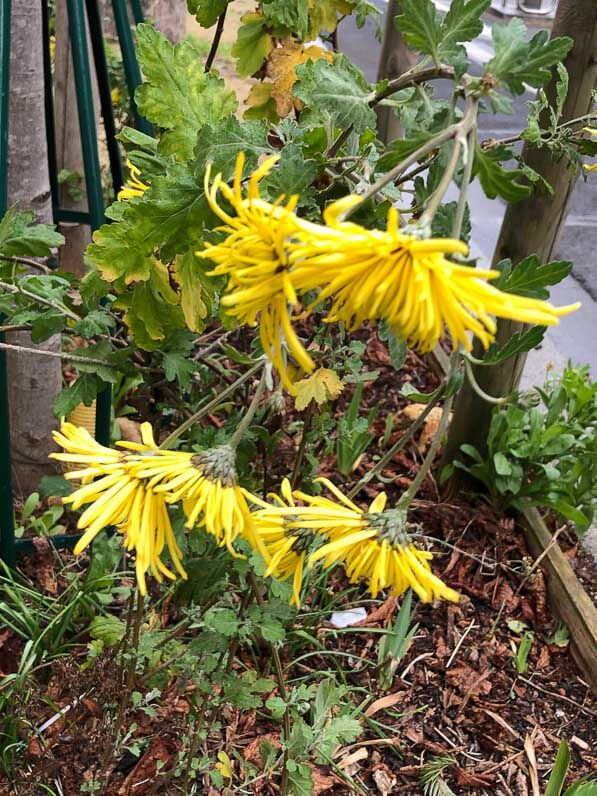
(262, 305)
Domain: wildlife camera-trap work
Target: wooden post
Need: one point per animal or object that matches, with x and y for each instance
(533, 225)
(395, 59)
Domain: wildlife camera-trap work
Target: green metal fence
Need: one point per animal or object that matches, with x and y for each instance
(81, 13)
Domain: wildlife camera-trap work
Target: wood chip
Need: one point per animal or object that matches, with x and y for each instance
(383, 703)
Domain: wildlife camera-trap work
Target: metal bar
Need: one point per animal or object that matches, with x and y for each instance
(49, 108)
(129, 60)
(7, 547)
(103, 82)
(93, 177)
(71, 216)
(138, 14)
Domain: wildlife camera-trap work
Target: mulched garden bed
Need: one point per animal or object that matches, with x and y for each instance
(457, 691)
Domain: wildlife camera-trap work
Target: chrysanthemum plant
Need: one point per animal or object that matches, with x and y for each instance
(246, 251)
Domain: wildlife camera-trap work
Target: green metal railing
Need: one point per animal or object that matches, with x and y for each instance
(81, 13)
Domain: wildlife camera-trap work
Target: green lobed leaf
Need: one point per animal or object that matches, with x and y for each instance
(293, 175)
(495, 180)
(424, 29)
(206, 12)
(20, 236)
(334, 93)
(178, 94)
(518, 61)
(196, 289)
(82, 391)
(401, 148)
(169, 217)
(287, 16)
(220, 143)
(253, 44)
(517, 344)
(530, 277)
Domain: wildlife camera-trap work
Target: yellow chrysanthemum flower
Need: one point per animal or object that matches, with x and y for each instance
(371, 274)
(253, 256)
(285, 545)
(119, 498)
(371, 544)
(207, 486)
(134, 187)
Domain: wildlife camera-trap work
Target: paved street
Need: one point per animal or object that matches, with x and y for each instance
(576, 338)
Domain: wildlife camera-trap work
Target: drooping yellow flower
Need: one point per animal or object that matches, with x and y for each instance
(371, 544)
(371, 274)
(253, 256)
(207, 486)
(591, 131)
(134, 187)
(285, 545)
(119, 498)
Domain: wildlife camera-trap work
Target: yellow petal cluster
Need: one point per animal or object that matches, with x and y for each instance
(272, 259)
(283, 546)
(372, 545)
(131, 488)
(372, 274)
(134, 186)
(254, 257)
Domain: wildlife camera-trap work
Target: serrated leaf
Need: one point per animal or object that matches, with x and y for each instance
(518, 61)
(443, 222)
(206, 12)
(401, 148)
(221, 143)
(82, 391)
(292, 176)
(281, 70)
(196, 292)
(109, 629)
(152, 311)
(169, 217)
(94, 323)
(322, 386)
(287, 16)
(530, 278)
(178, 95)
(495, 180)
(517, 344)
(253, 44)
(21, 236)
(324, 15)
(424, 30)
(334, 93)
(260, 104)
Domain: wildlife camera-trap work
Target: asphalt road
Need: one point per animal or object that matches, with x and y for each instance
(576, 337)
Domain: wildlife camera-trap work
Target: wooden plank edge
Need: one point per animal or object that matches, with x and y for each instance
(567, 598)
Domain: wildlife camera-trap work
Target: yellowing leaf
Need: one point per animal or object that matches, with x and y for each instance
(280, 68)
(253, 44)
(322, 386)
(261, 104)
(192, 291)
(323, 15)
(224, 765)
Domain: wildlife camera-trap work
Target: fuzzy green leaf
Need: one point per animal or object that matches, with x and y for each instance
(518, 61)
(531, 278)
(82, 391)
(495, 180)
(178, 95)
(221, 143)
(206, 12)
(518, 343)
(253, 44)
(20, 236)
(335, 93)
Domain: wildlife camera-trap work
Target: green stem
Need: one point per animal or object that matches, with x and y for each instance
(466, 181)
(249, 414)
(39, 299)
(210, 406)
(399, 444)
(279, 671)
(481, 392)
(411, 492)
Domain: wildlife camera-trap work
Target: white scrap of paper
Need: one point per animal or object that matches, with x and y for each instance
(347, 618)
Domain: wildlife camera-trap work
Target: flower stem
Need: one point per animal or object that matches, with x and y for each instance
(249, 414)
(252, 581)
(210, 406)
(399, 444)
(480, 392)
(216, 39)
